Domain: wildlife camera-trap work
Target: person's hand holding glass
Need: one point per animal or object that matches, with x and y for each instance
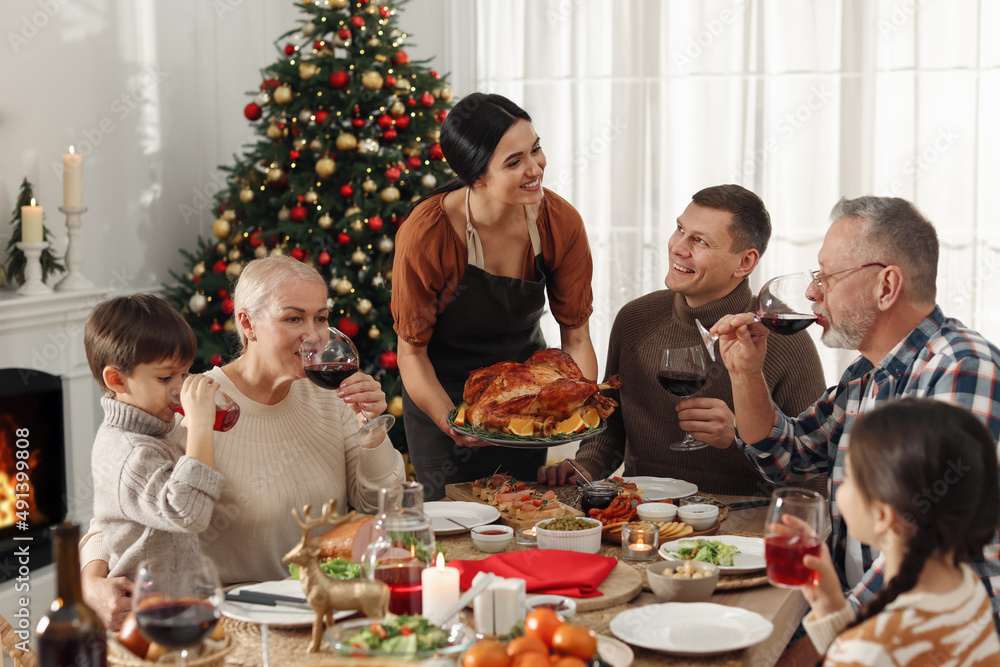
(683, 372)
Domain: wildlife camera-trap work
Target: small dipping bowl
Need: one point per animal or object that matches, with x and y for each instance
(673, 589)
(492, 538)
(699, 516)
(564, 606)
(597, 495)
(656, 512)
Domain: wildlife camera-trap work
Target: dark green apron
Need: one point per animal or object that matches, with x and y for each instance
(490, 319)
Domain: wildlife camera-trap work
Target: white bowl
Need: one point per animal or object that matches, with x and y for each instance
(698, 516)
(673, 589)
(564, 606)
(586, 541)
(656, 512)
(492, 544)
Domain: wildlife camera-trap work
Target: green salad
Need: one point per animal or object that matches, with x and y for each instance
(403, 635)
(337, 568)
(708, 551)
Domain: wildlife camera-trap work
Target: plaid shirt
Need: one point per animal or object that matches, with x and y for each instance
(939, 359)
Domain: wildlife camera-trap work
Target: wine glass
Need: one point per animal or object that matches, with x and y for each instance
(177, 608)
(683, 372)
(782, 307)
(227, 411)
(329, 357)
(795, 520)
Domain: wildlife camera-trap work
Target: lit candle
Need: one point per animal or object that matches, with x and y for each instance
(31, 223)
(440, 589)
(72, 179)
(640, 541)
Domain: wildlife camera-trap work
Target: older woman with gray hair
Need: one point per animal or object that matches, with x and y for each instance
(293, 444)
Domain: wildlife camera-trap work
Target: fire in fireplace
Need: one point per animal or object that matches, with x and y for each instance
(32, 462)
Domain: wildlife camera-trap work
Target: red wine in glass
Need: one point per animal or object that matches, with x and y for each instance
(177, 623)
(787, 324)
(680, 383)
(329, 376)
(405, 588)
(784, 554)
(683, 372)
(227, 412)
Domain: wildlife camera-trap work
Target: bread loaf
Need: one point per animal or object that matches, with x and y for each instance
(348, 540)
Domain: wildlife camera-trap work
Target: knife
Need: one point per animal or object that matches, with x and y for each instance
(269, 599)
(747, 504)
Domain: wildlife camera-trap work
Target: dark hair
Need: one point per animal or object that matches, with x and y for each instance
(130, 330)
(751, 225)
(470, 135)
(910, 447)
(895, 232)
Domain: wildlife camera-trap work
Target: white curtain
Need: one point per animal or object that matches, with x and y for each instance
(640, 103)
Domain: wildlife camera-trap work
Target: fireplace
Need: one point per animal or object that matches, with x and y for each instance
(32, 462)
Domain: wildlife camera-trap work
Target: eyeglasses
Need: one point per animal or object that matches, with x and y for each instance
(818, 279)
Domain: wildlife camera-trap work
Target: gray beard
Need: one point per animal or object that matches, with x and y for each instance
(851, 331)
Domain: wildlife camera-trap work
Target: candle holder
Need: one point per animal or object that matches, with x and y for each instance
(74, 279)
(33, 285)
(640, 542)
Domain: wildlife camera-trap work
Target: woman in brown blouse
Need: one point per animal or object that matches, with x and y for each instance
(474, 261)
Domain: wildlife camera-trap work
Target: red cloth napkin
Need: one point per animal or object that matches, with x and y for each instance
(550, 571)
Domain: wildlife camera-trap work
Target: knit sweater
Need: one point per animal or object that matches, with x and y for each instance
(641, 429)
(277, 458)
(150, 499)
(914, 630)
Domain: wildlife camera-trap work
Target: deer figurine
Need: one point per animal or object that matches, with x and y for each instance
(326, 595)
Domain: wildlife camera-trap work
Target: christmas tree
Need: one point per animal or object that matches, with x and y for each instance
(349, 131)
(15, 258)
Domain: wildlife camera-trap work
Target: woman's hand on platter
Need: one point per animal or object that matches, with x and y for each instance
(363, 393)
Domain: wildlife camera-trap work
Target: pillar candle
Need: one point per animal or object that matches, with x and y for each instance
(72, 179)
(439, 589)
(31, 223)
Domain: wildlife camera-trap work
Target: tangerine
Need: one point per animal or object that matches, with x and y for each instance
(568, 661)
(525, 644)
(531, 659)
(573, 640)
(486, 653)
(541, 624)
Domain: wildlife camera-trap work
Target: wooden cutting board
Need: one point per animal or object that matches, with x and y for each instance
(463, 492)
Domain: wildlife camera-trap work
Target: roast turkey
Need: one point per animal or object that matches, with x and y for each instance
(548, 386)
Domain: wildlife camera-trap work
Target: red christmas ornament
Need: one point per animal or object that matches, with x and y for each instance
(272, 83)
(358, 122)
(400, 58)
(344, 34)
(436, 153)
(384, 12)
(227, 306)
(403, 122)
(343, 238)
(298, 253)
(220, 266)
(215, 328)
(396, 222)
(324, 257)
(252, 111)
(390, 81)
(300, 199)
(410, 102)
(215, 360)
(255, 239)
(388, 360)
(389, 134)
(362, 2)
(289, 49)
(346, 190)
(293, 155)
(392, 173)
(298, 213)
(348, 327)
(196, 279)
(222, 207)
(321, 116)
(427, 100)
(440, 115)
(385, 121)
(357, 21)
(223, 293)
(375, 223)
(339, 79)
(318, 45)
(413, 162)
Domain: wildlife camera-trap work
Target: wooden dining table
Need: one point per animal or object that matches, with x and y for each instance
(784, 608)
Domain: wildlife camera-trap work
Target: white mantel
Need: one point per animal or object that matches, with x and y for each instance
(45, 333)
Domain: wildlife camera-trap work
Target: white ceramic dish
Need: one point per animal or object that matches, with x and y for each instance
(492, 544)
(278, 615)
(586, 541)
(656, 512)
(677, 589)
(750, 558)
(699, 516)
(662, 488)
(469, 515)
(691, 628)
(614, 652)
(562, 605)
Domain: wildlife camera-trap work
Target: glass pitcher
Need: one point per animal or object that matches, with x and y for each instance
(402, 545)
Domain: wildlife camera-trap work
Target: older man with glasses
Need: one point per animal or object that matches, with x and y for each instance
(874, 292)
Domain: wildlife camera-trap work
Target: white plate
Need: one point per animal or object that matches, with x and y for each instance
(661, 488)
(749, 559)
(469, 515)
(614, 652)
(277, 615)
(691, 628)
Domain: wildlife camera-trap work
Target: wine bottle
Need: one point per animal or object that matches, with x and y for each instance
(71, 634)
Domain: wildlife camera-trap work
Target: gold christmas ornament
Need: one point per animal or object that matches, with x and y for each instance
(390, 194)
(343, 287)
(369, 186)
(380, 57)
(221, 249)
(307, 71)
(197, 303)
(397, 108)
(357, 225)
(346, 141)
(428, 181)
(260, 252)
(403, 84)
(283, 94)
(354, 210)
(234, 270)
(284, 214)
(300, 143)
(235, 254)
(325, 167)
(198, 269)
(274, 132)
(308, 28)
(372, 80)
(220, 228)
(378, 281)
(316, 145)
(230, 326)
(364, 306)
(446, 94)
(275, 174)
(374, 41)
(305, 116)
(385, 244)
(371, 10)
(311, 197)
(337, 4)
(325, 222)
(396, 406)
(246, 195)
(359, 257)
(307, 3)
(374, 333)
(277, 251)
(434, 135)
(229, 214)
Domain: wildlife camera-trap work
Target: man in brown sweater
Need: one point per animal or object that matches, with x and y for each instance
(720, 237)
